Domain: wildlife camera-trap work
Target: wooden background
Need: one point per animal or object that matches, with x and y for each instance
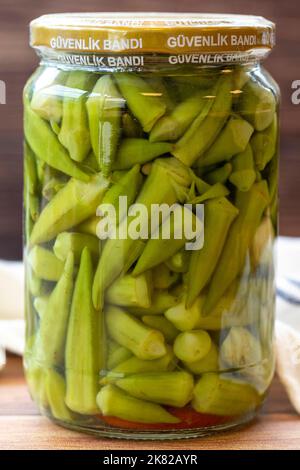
(17, 61)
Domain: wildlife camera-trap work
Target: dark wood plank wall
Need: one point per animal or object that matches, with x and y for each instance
(17, 61)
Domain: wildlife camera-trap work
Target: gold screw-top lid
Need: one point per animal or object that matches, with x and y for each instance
(160, 33)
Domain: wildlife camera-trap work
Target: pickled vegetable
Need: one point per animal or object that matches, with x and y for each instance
(147, 332)
(208, 363)
(134, 365)
(191, 346)
(74, 132)
(142, 341)
(114, 402)
(70, 206)
(226, 396)
(51, 337)
(206, 127)
(168, 388)
(104, 113)
(84, 341)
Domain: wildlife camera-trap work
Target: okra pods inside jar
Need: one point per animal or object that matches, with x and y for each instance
(132, 330)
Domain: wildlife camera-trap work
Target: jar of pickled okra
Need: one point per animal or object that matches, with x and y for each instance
(150, 202)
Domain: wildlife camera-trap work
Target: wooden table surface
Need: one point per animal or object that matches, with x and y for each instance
(21, 426)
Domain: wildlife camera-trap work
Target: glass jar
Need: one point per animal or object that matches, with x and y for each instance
(151, 159)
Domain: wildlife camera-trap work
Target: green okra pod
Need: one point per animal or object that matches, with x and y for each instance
(209, 363)
(173, 125)
(144, 342)
(257, 104)
(56, 390)
(160, 323)
(116, 354)
(47, 101)
(191, 346)
(183, 318)
(114, 402)
(251, 205)
(142, 100)
(83, 362)
(220, 175)
(74, 203)
(30, 171)
(264, 144)
(104, 112)
(45, 264)
(48, 104)
(162, 245)
(203, 131)
(232, 140)
(243, 179)
(218, 217)
(219, 394)
(50, 342)
(134, 365)
(243, 170)
(47, 147)
(76, 242)
(134, 151)
(128, 185)
(162, 300)
(177, 178)
(74, 133)
(129, 291)
(35, 376)
(167, 388)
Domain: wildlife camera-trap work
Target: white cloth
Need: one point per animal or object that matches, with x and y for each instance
(287, 323)
(11, 289)
(287, 331)
(12, 329)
